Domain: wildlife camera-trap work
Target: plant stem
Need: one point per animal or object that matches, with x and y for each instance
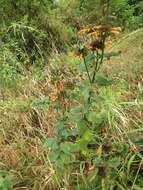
(102, 55)
(98, 64)
(87, 70)
(95, 69)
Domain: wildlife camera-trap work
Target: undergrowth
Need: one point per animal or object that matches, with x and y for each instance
(73, 124)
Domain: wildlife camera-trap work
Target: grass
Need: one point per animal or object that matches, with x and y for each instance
(27, 121)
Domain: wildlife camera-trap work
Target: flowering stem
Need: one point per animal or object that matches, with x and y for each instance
(95, 69)
(102, 55)
(98, 64)
(87, 70)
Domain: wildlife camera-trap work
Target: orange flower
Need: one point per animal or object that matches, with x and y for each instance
(79, 54)
(104, 28)
(101, 28)
(53, 97)
(95, 33)
(96, 44)
(84, 30)
(115, 30)
(107, 45)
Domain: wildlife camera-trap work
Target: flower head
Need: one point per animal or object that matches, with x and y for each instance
(96, 44)
(100, 29)
(79, 54)
(53, 97)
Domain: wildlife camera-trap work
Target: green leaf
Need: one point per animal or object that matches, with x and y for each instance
(75, 95)
(85, 151)
(68, 132)
(131, 160)
(89, 57)
(120, 147)
(82, 143)
(92, 116)
(83, 146)
(66, 158)
(54, 155)
(139, 143)
(69, 147)
(88, 136)
(51, 143)
(8, 182)
(114, 162)
(76, 114)
(97, 98)
(81, 125)
(96, 119)
(103, 80)
(86, 94)
(140, 181)
(81, 67)
(85, 83)
(85, 140)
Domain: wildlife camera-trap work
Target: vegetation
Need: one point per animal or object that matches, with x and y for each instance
(71, 95)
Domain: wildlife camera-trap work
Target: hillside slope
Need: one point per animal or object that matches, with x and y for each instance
(27, 120)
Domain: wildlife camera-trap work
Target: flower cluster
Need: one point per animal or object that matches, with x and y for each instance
(96, 38)
(100, 29)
